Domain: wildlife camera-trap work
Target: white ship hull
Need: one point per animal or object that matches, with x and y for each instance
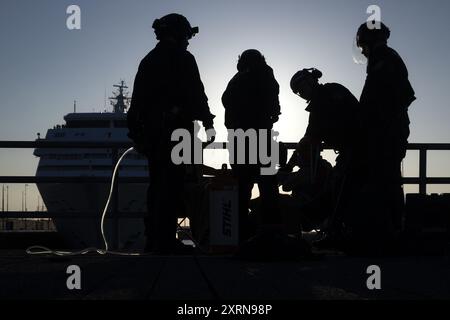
(90, 198)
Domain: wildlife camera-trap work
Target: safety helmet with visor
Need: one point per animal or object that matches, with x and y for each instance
(174, 25)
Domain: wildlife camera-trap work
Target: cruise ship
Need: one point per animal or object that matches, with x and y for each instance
(81, 232)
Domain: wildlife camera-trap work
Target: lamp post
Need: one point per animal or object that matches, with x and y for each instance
(25, 202)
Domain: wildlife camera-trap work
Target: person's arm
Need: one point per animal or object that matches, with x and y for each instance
(269, 91)
(397, 75)
(134, 114)
(231, 102)
(196, 97)
(294, 160)
(145, 115)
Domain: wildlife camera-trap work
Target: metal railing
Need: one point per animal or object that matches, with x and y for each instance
(422, 180)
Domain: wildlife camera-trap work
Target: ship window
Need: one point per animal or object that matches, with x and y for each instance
(59, 134)
(65, 156)
(65, 168)
(135, 168)
(88, 124)
(95, 156)
(101, 167)
(136, 156)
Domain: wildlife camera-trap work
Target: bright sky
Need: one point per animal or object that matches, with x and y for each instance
(44, 66)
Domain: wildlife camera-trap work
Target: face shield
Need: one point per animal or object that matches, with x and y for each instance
(357, 53)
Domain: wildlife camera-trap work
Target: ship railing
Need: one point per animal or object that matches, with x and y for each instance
(115, 148)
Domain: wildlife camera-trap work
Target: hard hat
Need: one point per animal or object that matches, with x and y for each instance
(175, 25)
(377, 32)
(303, 75)
(249, 59)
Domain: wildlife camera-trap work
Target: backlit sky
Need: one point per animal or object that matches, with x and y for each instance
(44, 66)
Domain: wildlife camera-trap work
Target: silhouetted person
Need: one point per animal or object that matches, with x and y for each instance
(384, 102)
(333, 120)
(309, 203)
(309, 180)
(168, 94)
(251, 102)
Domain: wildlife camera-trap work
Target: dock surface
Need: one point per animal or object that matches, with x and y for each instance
(200, 277)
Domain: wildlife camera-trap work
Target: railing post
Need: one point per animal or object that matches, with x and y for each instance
(423, 170)
(115, 202)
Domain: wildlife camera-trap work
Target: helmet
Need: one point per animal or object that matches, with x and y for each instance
(249, 59)
(175, 25)
(303, 75)
(369, 36)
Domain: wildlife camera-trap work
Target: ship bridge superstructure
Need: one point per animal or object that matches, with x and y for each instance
(91, 127)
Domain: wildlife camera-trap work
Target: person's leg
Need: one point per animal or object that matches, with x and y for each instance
(174, 205)
(157, 176)
(373, 231)
(268, 188)
(390, 184)
(344, 197)
(164, 202)
(267, 185)
(396, 200)
(245, 186)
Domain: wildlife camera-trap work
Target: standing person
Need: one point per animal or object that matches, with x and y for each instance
(168, 94)
(385, 99)
(251, 103)
(333, 120)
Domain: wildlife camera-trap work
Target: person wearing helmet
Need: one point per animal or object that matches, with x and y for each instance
(168, 94)
(333, 113)
(333, 120)
(251, 102)
(384, 102)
